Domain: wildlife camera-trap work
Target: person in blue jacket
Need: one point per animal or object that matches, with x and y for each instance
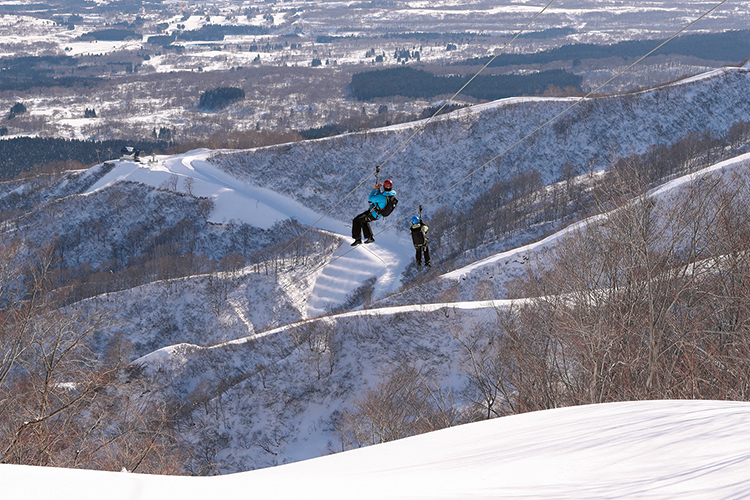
(378, 200)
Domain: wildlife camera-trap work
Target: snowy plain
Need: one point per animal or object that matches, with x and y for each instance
(656, 450)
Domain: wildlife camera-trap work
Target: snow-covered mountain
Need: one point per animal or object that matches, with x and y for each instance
(312, 370)
(274, 369)
(483, 141)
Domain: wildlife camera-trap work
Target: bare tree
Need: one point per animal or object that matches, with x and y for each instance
(403, 404)
(62, 403)
(650, 302)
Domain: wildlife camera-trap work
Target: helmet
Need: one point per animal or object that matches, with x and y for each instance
(387, 185)
(415, 220)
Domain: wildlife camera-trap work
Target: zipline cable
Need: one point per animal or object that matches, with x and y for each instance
(419, 130)
(563, 111)
(426, 122)
(547, 122)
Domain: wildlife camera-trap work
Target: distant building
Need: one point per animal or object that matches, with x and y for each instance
(130, 153)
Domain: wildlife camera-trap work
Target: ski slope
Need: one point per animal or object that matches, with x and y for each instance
(691, 450)
(238, 200)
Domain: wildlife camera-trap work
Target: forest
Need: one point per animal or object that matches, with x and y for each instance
(215, 99)
(410, 82)
(730, 46)
(24, 154)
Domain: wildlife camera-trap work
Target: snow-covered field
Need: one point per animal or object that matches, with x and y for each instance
(655, 450)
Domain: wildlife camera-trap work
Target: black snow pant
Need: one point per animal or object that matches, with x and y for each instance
(361, 226)
(423, 249)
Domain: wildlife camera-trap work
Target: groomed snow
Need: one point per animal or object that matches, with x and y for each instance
(647, 450)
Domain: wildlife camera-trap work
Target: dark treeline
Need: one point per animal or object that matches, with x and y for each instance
(28, 80)
(22, 73)
(25, 154)
(410, 82)
(221, 97)
(731, 46)
(381, 119)
(111, 34)
(215, 32)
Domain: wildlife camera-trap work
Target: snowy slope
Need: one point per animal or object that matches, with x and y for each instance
(241, 200)
(505, 266)
(649, 450)
(358, 345)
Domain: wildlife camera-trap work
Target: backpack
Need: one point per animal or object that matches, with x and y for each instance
(390, 205)
(417, 235)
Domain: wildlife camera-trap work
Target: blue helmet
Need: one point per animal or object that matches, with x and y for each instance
(415, 220)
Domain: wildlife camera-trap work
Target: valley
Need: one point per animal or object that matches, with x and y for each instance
(142, 67)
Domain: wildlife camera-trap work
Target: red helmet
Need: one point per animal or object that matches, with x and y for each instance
(387, 185)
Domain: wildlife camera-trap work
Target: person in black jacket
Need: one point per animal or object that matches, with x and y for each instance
(419, 238)
(378, 200)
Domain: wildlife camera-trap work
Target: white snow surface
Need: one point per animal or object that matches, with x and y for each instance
(647, 450)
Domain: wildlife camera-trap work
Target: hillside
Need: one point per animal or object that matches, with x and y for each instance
(266, 342)
(311, 371)
(590, 136)
(655, 450)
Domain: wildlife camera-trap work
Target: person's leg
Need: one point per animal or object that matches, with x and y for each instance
(357, 226)
(366, 229)
(426, 250)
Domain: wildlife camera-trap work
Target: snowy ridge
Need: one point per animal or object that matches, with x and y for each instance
(652, 450)
(165, 355)
(506, 265)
